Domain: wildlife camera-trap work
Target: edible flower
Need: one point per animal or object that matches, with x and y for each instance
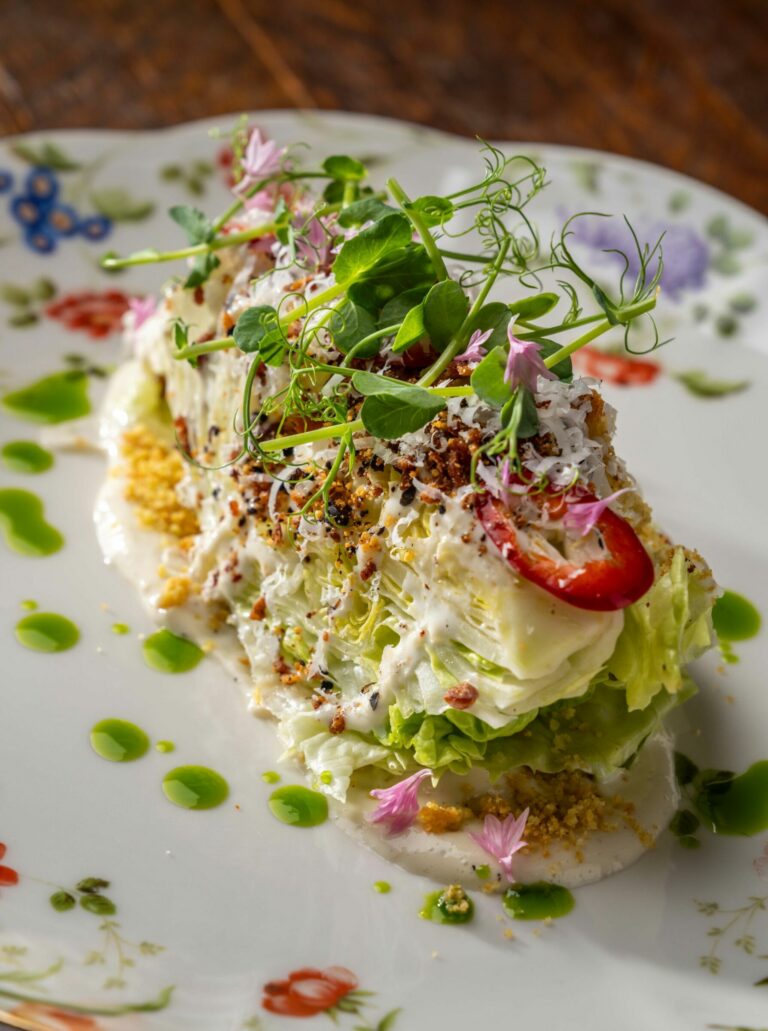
(502, 839)
(525, 364)
(475, 350)
(398, 805)
(582, 515)
(314, 245)
(142, 308)
(262, 158)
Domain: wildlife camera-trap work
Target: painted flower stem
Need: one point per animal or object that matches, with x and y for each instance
(420, 226)
(217, 244)
(153, 1006)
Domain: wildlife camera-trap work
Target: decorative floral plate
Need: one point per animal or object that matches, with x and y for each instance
(121, 911)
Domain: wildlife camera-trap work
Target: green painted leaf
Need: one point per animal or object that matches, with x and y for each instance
(364, 251)
(47, 154)
(89, 885)
(119, 206)
(495, 316)
(15, 295)
(369, 209)
(43, 289)
(700, 384)
(22, 319)
(341, 166)
(487, 379)
(434, 211)
(349, 324)
(62, 901)
(98, 904)
(533, 307)
(258, 329)
(194, 223)
(387, 1022)
(445, 308)
(411, 329)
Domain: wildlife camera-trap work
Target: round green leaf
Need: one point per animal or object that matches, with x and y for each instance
(445, 308)
(341, 166)
(98, 904)
(62, 901)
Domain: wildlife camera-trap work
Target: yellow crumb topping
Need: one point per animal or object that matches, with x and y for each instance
(152, 470)
(439, 819)
(176, 591)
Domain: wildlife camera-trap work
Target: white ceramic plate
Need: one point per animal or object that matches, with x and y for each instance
(220, 903)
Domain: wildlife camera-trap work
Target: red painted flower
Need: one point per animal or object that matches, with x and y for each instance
(225, 160)
(54, 1018)
(8, 876)
(622, 370)
(308, 992)
(96, 313)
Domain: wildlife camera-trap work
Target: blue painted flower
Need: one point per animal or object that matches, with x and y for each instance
(40, 238)
(95, 227)
(6, 180)
(686, 254)
(42, 185)
(63, 220)
(27, 211)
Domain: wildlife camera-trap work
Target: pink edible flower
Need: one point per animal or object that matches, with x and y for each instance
(525, 364)
(262, 158)
(475, 350)
(582, 515)
(502, 839)
(314, 246)
(398, 805)
(142, 308)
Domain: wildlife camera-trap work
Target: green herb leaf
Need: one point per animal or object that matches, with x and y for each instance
(521, 414)
(533, 307)
(389, 416)
(98, 904)
(487, 379)
(349, 324)
(685, 769)
(194, 223)
(684, 822)
(364, 251)
(119, 206)
(407, 268)
(62, 901)
(445, 308)
(411, 329)
(564, 368)
(495, 316)
(369, 209)
(434, 211)
(89, 885)
(700, 384)
(395, 310)
(341, 166)
(606, 304)
(258, 330)
(202, 267)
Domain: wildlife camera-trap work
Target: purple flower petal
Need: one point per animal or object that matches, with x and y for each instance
(524, 364)
(583, 515)
(399, 805)
(502, 839)
(475, 351)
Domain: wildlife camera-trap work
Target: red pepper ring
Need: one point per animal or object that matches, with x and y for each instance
(601, 585)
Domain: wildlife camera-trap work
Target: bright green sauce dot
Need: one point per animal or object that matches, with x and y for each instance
(537, 901)
(119, 741)
(24, 456)
(23, 524)
(120, 628)
(169, 653)
(326, 777)
(382, 887)
(270, 777)
(733, 804)
(451, 905)
(298, 806)
(47, 632)
(735, 617)
(52, 399)
(165, 746)
(483, 872)
(195, 787)
(29, 605)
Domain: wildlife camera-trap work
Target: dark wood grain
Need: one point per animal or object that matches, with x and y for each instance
(679, 82)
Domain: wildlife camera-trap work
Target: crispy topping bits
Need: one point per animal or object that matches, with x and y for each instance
(176, 591)
(152, 470)
(441, 819)
(462, 696)
(455, 899)
(258, 609)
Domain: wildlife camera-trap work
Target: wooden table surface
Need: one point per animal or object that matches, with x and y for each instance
(679, 82)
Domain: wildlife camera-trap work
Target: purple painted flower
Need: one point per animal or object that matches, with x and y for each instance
(582, 515)
(525, 364)
(502, 839)
(686, 254)
(399, 805)
(475, 351)
(142, 308)
(6, 180)
(262, 159)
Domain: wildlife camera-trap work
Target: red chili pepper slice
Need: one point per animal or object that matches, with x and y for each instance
(601, 585)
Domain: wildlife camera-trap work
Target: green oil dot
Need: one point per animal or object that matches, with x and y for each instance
(52, 399)
(539, 901)
(298, 806)
(733, 804)
(120, 628)
(483, 872)
(22, 520)
(195, 787)
(270, 777)
(29, 605)
(165, 746)
(326, 777)
(735, 617)
(451, 905)
(24, 456)
(118, 741)
(169, 653)
(47, 632)
(382, 887)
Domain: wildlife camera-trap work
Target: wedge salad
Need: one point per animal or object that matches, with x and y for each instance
(350, 456)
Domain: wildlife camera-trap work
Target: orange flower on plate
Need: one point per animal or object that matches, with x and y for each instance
(619, 369)
(54, 1019)
(8, 876)
(307, 992)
